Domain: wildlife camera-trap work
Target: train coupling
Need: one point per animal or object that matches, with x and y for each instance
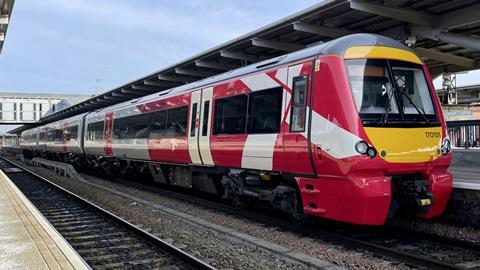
(411, 196)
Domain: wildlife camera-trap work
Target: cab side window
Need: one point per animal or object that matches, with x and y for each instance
(299, 104)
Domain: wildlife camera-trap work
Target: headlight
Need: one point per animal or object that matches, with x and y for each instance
(361, 147)
(446, 147)
(371, 152)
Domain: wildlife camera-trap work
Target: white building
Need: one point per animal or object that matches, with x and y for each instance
(21, 108)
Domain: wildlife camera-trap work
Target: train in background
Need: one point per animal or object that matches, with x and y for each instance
(349, 130)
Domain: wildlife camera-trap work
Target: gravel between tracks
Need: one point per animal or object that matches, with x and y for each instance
(439, 228)
(202, 243)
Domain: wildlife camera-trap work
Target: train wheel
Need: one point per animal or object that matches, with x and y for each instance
(239, 202)
(295, 213)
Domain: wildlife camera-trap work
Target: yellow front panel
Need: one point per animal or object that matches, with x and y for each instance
(406, 145)
(379, 52)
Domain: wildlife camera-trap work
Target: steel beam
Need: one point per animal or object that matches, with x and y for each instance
(145, 88)
(215, 65)
(175, 79)
(194, 73)
(113, 98)
(437, 35)
(400, 14)
(436, 71)
(239, 56)
(445, 57)
(277, 45)
(320, 30)
(102, 100)
(461, 17)
(4, 19)
(135, 93)
(120, 94)
(160, 83)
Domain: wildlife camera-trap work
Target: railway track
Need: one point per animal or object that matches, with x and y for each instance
(102, 239)
(411, 247)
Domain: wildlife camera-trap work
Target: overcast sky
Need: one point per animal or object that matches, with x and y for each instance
(77, 46)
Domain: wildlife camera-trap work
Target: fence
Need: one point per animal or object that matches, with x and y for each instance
(464, 133)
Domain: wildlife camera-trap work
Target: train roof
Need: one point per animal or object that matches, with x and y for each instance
(334, 47)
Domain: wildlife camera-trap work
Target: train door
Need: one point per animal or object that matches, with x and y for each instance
(200, 127)
(295, 136)
(193, 132)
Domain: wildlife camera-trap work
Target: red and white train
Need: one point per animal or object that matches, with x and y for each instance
(349, 130)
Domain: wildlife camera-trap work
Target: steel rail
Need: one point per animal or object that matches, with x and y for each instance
(326, 234)
(335, 237)
(184, 256)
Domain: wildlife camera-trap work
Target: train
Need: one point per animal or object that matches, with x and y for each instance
(349, 130)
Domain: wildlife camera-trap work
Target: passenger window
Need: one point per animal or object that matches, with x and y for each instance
(99, 130)
(177, 122)
(230, 115)
(206, 108)
(72, 133)
(193, 120)
(118, 126)
(129, 127)
(95, 131)
(265, 109)
(159, 125)
(299, 104)
(141, 126)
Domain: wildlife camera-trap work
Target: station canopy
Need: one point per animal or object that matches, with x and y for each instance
(445, 33)
(6, 7)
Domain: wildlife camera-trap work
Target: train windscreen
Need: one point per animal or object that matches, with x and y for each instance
(390, 92)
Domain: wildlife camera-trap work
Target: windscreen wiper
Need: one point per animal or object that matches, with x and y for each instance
(403, 91)
(384, 118)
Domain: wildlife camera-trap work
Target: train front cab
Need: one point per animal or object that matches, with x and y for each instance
(379, 140)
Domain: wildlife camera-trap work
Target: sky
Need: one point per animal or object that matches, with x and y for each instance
(90, 46)
(86, 46)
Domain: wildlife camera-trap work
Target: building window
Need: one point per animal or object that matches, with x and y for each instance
(44, 107)
(264, 112)
(27, 111)
(8, 111)
(230, 115)
(299, 104)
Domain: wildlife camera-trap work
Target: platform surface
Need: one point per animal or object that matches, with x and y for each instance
(27, 240)
(467, 177)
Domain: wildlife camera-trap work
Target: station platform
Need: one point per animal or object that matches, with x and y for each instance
(466, 177)
(466, 168)
(27, 239)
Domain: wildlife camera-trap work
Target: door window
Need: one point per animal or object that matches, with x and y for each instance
(299, 104)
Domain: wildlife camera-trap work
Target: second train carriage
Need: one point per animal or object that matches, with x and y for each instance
(349, 130)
